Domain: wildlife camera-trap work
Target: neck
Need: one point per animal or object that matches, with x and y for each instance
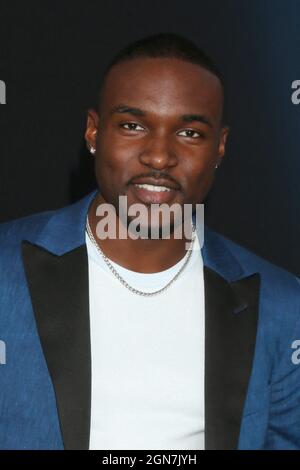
(140, 255)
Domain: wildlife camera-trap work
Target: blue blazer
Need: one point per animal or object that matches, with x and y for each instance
(252, 318)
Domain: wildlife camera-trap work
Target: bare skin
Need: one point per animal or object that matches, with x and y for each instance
(130, 144)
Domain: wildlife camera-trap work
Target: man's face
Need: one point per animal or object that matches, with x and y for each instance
(159, 124)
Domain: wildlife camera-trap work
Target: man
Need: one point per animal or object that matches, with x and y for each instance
(135, 343)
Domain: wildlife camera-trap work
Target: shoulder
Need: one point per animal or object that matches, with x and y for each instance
(251, 262)
(279, 289)
(12, 232)
(58, 230)
(279, 300)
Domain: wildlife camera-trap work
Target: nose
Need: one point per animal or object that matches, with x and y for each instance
(158, 153)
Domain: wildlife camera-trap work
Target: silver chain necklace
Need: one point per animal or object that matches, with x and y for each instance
(125, 284)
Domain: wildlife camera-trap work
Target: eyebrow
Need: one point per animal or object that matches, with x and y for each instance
(139, 112)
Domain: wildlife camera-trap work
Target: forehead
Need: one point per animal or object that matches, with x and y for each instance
(161, 86)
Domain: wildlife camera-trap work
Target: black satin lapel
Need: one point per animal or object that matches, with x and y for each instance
(59, 291)
(229, 350)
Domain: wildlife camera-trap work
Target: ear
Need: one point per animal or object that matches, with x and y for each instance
(92, 127)
(222, 143)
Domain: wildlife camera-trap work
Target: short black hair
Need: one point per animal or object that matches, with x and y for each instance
(169, 45)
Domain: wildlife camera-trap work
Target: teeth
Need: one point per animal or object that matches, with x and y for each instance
(150, 187)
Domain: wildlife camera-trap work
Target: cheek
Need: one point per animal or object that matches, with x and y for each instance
(108, 157)
(199, 179)
(113, 167)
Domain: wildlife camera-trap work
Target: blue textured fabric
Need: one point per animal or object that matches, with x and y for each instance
(28, 413)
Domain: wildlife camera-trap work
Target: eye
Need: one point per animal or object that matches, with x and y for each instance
(132, 126)
(191, 133)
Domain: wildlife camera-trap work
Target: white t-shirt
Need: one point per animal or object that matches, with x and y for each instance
(147, 357)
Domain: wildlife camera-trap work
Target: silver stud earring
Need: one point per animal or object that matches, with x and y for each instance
(92, 150)
(216, 166)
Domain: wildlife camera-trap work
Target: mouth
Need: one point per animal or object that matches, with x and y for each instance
(153, 194)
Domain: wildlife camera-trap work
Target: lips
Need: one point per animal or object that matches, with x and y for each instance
(153, 188)
(162, 182)
(153, 194)
(149, 190)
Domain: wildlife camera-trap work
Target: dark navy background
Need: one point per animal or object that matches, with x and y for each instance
(51, 58)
